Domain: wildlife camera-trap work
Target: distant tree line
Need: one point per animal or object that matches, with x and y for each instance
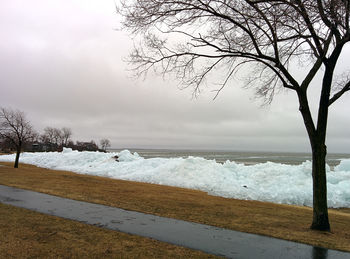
(17, 135)
(55, 139)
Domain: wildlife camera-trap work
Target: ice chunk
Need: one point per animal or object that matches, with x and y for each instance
(273, 182)
(343, 166)
(67, 150)
(126, 156)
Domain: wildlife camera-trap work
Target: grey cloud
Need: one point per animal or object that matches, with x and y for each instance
(62, 64)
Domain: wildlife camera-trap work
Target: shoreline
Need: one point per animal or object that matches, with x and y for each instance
(268, 181)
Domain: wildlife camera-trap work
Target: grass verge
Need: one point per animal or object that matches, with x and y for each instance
(34, 235)
(281, 221)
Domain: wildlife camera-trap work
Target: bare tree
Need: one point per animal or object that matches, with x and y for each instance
(48, 135)
(194, 39)
(58, 137)
(66, 134)
(105, 143)
(53, 137)
(15, 128)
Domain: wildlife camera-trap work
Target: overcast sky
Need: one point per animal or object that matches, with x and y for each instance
(61, 63)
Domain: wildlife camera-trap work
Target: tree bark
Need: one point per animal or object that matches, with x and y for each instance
(18, 152)
(319, 151)
(320, 209)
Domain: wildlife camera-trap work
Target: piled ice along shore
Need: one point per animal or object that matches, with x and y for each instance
(272, 182)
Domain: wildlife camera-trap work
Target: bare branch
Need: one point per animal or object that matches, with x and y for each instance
(203, 35)
(342, 86)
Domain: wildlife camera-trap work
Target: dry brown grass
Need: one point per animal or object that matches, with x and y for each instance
(281, 221)
(28, 234)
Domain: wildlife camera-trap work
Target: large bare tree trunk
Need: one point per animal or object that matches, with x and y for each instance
(317, 139)
(319, 151)
(320, 209)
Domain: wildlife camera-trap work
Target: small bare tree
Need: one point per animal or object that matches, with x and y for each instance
(66, 134)
(105, 143)
(55, 137)
(193, 39)
(15, 128)
(48, 136)
(58, 137)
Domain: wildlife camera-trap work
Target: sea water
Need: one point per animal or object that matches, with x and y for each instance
(243, 157)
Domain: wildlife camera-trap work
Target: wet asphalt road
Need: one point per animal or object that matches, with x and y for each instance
(209, 239)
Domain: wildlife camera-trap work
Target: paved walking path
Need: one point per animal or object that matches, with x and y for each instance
(212, 240)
